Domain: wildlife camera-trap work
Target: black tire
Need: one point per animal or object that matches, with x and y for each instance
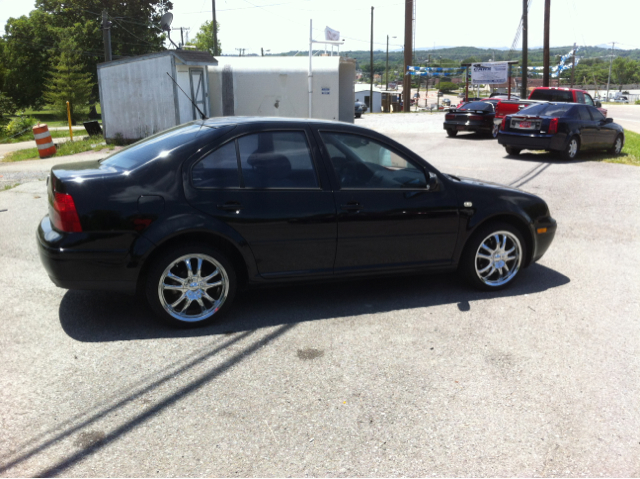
(451, 132)
(475, 268)
(572, 149)
(512, 151)
(358, 115)
(206, 305)
(616, 149)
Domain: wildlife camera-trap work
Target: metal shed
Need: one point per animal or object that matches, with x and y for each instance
(139, 99)
(278, 86)
(362, 94)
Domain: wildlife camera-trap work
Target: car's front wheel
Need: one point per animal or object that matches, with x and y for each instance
(192, 285)
(493, 256)
(617, 146)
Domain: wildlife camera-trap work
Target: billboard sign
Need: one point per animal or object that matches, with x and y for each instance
(489, 73)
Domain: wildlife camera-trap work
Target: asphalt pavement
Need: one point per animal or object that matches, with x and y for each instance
(409, 376)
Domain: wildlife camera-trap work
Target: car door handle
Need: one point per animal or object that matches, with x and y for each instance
(354, 206)
(230, 206)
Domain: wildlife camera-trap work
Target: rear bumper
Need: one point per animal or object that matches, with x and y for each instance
(528, 141)
(84, 268)
(467, 126)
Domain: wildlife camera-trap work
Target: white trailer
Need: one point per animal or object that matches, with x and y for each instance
(139, 98)
(278, 86)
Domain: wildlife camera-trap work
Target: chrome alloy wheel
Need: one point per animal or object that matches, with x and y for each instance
(193, 287)
(573, 148)
(498, 258)
(495, 130)
(617, 146)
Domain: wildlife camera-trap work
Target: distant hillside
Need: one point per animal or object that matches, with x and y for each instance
(444, 56)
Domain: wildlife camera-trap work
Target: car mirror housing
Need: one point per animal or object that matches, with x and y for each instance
(608, 120)
(598, 104)
(432, 181)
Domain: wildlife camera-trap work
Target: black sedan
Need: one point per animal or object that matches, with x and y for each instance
(474, 116)
(565, 128)
(189, 215)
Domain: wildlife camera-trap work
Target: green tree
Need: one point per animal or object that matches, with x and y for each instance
(446, 86)
(624, 70)
(204, 38)
(69, 82)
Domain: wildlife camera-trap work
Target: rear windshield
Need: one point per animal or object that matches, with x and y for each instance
(552, 95)
(477, 105)
(160, 145)
(546, 109)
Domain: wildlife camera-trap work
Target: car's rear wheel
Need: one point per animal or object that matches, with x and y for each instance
(358, 115)
(493, 256)
(572, 149)
(512, 151)
(192, 285)
(451, 132)
(616, 149)
(495, 130)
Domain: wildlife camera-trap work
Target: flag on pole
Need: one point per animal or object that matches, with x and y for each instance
(331, 35)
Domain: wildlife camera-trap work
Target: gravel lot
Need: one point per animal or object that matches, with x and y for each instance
(412, 376)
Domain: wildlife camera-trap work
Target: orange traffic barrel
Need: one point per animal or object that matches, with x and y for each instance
(46, 148)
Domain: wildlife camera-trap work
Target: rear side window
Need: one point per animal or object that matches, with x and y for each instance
(552, 95)
(579, 97)
(218, 169)
(277, 159)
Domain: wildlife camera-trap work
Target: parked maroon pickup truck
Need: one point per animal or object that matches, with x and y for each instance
(542, 95)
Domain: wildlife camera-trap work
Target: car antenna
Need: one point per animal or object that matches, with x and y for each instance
(204, 117)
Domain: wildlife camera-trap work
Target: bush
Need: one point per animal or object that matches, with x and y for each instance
(19, 124)
(637, 102)
(446, 86)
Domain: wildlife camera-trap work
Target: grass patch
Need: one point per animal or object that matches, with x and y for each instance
(54, 134)
(94, 143)
(630, 153)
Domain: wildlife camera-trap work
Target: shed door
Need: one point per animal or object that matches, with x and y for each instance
(196, 78)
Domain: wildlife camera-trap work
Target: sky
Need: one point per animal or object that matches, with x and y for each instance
(283, 25)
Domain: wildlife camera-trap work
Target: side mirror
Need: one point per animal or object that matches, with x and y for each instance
(608, 120)
(598, 104)
(432, 181)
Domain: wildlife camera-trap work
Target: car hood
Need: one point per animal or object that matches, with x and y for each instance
(487, 184)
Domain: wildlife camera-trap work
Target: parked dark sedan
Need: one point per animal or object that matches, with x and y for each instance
(476, 116)
(565, 128)
(191, 214)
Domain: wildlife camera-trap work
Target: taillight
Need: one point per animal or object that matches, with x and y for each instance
(475, 117)
(64, 215)
(503, 124)
(553, 126)
(449, 116)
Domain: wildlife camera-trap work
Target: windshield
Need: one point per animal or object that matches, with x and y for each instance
(160, 145)
(546, 109)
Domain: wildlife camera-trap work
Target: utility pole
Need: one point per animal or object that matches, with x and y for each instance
(408, 40)
(371, 65)
(613, 44)
(573, 64)
(386, 68)
(545, 68)
(106, 36)
(525, 47)
(215, 28)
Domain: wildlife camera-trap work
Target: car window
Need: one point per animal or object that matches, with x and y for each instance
(583, 113)
(588, 100)
(277, 159)
(552, 95)
(547, 109)
(595, 113)
(477, 105)
(579, 97)
(360, 162)
(219, 169)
